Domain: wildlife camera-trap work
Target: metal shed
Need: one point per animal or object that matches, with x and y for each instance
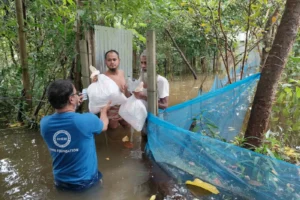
(107, 38)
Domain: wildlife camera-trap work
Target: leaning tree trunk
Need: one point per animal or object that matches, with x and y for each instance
(270, 75)
(23, 52)
(182, 54)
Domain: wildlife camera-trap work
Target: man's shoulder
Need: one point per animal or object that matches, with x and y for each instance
(85, 115)
(161, 79)
(45, 119)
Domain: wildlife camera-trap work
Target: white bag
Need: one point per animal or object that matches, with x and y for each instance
(103, 91)
(134, 112)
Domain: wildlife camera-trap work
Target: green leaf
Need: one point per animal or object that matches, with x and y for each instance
(70, 2)
(288, 90)
(298, 92)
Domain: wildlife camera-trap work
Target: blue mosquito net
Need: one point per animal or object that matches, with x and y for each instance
(182, 140)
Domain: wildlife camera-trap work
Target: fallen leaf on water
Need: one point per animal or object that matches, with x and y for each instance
(197, 182)
(192, 163)
(256, 183)
(274, 172)
(128, 145)
(125, 139)
(18, 124)
(153, 197)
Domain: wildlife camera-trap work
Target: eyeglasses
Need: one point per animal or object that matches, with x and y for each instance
(77, 93)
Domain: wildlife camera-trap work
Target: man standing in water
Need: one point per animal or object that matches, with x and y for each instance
(70, 138)
(112, 61)
(162, 84)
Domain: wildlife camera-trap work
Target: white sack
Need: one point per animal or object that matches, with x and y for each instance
(102, 91)
(134, 112)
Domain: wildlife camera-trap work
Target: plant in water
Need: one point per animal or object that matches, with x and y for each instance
(205, 126)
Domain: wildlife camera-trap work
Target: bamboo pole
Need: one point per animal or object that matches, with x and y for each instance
(23, 51)
(151, 73)
(85, 75)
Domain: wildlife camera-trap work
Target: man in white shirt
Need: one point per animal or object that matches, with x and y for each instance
(162, 85)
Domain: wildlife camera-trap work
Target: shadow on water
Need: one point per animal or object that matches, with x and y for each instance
(26, 172)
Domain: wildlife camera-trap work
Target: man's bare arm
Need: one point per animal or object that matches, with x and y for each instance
(163, 103)
(103, 116)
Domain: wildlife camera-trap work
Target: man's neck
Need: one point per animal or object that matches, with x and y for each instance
(112, 73)
(68, 108)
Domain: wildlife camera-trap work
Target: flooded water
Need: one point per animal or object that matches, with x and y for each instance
(26, 172)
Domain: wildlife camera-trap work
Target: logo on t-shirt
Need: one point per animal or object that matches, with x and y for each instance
(62, 138)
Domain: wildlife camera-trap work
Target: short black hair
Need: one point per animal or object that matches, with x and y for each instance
(111, 51)
(58, 93)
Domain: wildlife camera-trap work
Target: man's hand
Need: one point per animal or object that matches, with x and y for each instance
(106, 108)
(103, 116)
(123, 88)
(94, 79)
(140, 95)
(80, 99)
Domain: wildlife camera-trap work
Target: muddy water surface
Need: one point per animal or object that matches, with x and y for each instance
(26, 172)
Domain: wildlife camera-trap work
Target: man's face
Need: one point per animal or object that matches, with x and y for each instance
(144, 63)
(112, 61)
(74, 98)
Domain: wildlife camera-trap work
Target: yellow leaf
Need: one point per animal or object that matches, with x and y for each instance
(197, 182)
(18, 124)
(274, 19)
(153, 197)
(183, 3)
(125, 139)
(203, 24)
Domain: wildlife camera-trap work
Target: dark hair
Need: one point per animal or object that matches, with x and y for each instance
(111, 51)
(58, 93)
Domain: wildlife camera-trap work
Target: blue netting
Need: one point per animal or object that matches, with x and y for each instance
(220, 113)
(250, 68)
(186, 155)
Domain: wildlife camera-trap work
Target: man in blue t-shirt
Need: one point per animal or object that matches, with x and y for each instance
(70, 138)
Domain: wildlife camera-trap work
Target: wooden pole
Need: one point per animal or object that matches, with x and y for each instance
(23, 51)
(85, 75)
(84, 59)
(151, 73)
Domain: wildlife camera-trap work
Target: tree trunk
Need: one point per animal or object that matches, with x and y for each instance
(77, 69)
(270, 75)
(23, 52)
(182, 55)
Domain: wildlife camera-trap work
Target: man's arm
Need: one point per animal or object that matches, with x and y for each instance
(103, 116)
(140, 95)
(163, 103)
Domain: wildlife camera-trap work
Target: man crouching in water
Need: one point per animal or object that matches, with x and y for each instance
(112, 62)
(70, 138)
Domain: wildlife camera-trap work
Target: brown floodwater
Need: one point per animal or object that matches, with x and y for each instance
(26, 172)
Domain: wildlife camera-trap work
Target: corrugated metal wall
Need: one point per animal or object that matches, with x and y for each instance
(107, 38)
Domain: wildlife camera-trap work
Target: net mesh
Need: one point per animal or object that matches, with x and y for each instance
(178, 140)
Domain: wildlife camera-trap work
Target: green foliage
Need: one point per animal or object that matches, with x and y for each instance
(285, 111)
(50, 31)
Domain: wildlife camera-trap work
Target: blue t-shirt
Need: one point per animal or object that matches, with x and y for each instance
(70, 139)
